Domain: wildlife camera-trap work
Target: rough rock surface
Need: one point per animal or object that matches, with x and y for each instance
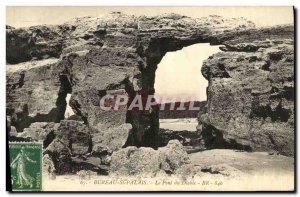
(251, 97)
(77, 145)
(34, 93)
(43, 132)
(96, 55)
(112, 138)
(75, 135)
(250, 94)
(48, 166)
(133, 161)
(60, 154)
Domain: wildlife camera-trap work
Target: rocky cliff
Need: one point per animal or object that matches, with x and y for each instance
(250, 94)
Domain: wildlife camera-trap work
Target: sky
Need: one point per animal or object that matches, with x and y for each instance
(29, 16)
(179, 73)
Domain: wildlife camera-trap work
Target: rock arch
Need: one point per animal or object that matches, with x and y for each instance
(121, 52)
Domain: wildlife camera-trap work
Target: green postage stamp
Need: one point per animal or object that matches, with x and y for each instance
(26, 166)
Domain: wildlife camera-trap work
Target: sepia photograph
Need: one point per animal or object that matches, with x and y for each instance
(150, 98)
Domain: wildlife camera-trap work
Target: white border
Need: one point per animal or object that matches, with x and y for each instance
(4, 3)
(153, 2)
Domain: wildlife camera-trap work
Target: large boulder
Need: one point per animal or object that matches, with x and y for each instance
(173, 156)
(251, 97)
(34, 93)
(147, 161)
(60, 155)
(112, 138)
(133, 161)
(76, 135)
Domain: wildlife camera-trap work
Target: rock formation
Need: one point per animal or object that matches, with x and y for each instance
(250, 94)
(251, 97)
(132, 161)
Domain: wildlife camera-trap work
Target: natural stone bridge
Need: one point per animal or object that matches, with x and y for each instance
(250, 94)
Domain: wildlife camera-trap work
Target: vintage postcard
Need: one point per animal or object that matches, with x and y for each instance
(150, 99)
